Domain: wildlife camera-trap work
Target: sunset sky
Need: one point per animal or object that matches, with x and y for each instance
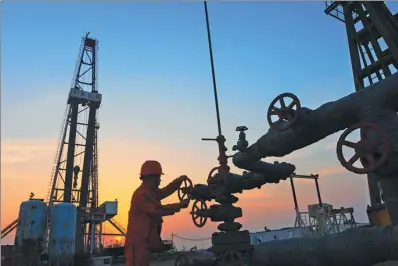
(155, 77)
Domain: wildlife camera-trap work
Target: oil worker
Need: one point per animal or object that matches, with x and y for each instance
(146, 212)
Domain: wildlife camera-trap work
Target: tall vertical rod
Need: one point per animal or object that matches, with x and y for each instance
(318, 192)
(294, 194)
(212, 70)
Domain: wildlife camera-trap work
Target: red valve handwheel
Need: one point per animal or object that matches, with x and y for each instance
(182, 260)
(365, 150)
(287, 115)
(185, 189)
(198, 210)
(217, 183)
(232, 258)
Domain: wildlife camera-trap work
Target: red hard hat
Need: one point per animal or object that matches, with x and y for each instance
(151, 168)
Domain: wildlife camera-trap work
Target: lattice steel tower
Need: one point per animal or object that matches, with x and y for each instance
(77, 155)
(372, 32)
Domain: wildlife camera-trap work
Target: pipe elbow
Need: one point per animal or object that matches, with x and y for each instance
(240, 159)
(272, 172)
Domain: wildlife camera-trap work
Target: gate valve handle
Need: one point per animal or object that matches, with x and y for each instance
(241, 128)
(200, 213)
(184, 191)
(287, 114)
(373, 153)
(217, 183)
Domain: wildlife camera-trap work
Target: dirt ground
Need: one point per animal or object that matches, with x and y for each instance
(171, 263)
(163, 263)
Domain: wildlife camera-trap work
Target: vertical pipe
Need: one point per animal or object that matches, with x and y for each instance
(318, 192)
(294, 194)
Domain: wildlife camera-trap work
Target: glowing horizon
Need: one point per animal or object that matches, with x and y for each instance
(275, 199)
(155, 79)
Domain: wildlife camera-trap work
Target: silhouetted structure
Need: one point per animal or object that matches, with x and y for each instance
(372, 32)
(77, 155)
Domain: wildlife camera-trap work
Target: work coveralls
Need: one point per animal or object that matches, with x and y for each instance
(145, 223)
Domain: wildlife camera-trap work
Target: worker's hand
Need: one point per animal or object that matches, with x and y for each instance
(184, 203)
(180, 179)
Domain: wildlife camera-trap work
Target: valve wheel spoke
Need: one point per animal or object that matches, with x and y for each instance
(291, 105)
(350, 144)
(353, 159)
(282, 102)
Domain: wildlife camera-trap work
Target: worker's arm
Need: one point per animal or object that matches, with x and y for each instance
(181, 205)
(172, 206)
(166, 191)
(149, 205)
(171, 188)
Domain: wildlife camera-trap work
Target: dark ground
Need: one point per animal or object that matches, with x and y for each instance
(171, 263)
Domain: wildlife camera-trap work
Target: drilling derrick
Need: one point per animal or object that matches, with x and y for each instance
(68, 226)
(77, 155)
(372, 32)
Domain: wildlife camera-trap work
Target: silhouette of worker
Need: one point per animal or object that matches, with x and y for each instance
(146, 212)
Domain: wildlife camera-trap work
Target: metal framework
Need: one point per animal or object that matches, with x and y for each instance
(301, 220)
(77, 155)
(372, 32)
(75, 174)
(321, 219)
